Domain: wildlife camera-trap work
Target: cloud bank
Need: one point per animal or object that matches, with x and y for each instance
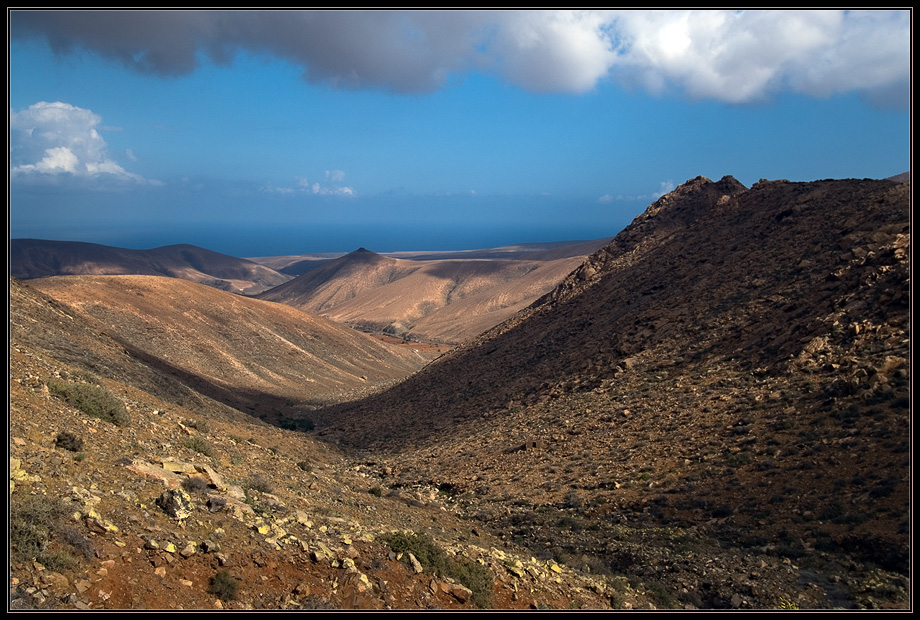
(49, 140)
(731, 56)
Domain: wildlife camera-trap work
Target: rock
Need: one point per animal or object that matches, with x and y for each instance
(216, 503)
(176, 503)
(178, 467)
(209, 546)
(416, 565)
(461, 593)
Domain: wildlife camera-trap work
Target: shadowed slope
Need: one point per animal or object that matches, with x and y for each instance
(36, 258)
(734, 354)
(233, 344)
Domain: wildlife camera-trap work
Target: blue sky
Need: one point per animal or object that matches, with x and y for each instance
(268, 133)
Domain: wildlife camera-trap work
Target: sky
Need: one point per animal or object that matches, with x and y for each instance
(265, 133)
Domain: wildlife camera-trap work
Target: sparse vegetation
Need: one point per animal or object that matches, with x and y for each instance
(33, 519)
(93, 400)
(258, 482)
(68, 441)
(199, 444)
(300, 424)
(433, 559)
(201, 425)
(224, 586)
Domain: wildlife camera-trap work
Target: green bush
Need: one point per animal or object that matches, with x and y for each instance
(199, 445)
(33, 518)
(224, 585)
(433, 559)
(93, 400)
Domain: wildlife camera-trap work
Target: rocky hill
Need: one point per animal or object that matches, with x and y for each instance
(732, 372)
(38, 258)
(443, 301)
(129, 489)
(258, 357)
(713, 411)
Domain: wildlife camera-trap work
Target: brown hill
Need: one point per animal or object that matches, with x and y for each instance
(713, 411)
(733, 367)
(445, 301)
(37, 258)
(103, 434)
(258, 356)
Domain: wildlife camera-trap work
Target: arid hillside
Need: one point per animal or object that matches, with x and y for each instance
(735, 365)
(257, 356)
(711, 412)
(37, 258)
(132, 488)
(444, 301)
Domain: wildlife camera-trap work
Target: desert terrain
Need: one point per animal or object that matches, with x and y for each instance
(711, 411)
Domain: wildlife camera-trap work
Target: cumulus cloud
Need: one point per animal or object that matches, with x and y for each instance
(52, 139)
(732, 56)
(744, 56)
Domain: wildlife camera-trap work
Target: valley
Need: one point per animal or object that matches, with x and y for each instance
(710, 411)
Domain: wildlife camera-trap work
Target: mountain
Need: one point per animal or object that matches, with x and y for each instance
(257, 356)
(36, 258)
(712, 411)
(133, 486)
(729, 379)
(446, 301)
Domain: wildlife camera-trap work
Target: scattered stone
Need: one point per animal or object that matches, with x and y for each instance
(176, 503)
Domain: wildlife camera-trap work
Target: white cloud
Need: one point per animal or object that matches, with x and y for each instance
(303, 186)
(732, 56)
(665, 187)
(553, 51)
(48, 140)
(745, 56)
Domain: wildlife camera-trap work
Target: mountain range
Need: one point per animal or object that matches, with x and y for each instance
(710, 411)
(444, 301)
(39, 258)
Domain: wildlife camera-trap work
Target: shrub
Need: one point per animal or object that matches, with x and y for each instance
(258, 482)
(301, 424)
(199, 445)
(93, 400)
(224, 586)
(201, 426)
(433, 559)
(68, 441)
(32, 520)
(73, 537)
